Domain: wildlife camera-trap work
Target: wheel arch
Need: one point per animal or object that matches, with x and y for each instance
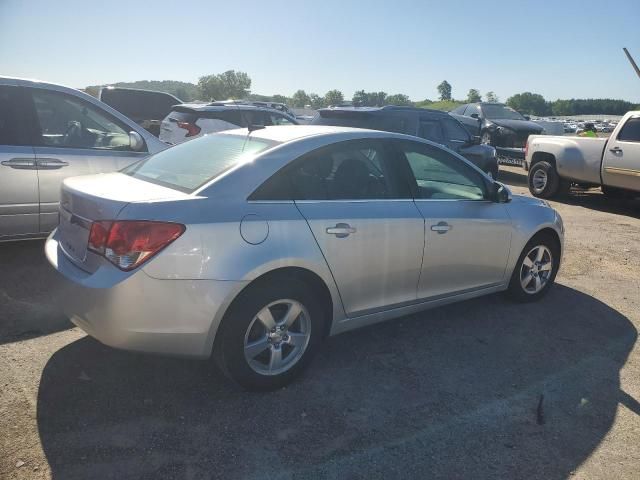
(543, 157)
(282, 274)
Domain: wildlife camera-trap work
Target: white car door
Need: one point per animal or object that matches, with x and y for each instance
(467, 236)
(74, 138)
(18, 173)
(621, 162)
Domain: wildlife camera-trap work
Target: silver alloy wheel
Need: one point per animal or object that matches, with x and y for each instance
(486, 138)
(540, 179)
(277, 337)
(536, 269)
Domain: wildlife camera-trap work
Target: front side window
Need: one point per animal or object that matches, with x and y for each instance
(187, 166)
(460, 110)
(67, 121)
(630, 131)
(440, 175)
(471, 109)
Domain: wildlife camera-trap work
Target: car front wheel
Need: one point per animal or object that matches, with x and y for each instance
(536, 269)
(269, 335)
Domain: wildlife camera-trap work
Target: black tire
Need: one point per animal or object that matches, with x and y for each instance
(544, 181)
(516, 291)
(229, 349)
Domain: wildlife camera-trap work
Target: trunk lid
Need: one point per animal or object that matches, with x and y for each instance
(88, 198)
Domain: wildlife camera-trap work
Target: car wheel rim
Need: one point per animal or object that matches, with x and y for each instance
(277, 337)
(539, 180)
(536, 269)
(486, 138)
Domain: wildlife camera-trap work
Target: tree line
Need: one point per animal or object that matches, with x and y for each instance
(237, 85)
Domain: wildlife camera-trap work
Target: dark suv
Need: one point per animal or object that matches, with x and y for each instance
(433, 125)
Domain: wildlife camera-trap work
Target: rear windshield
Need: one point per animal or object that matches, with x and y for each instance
(188, 166)
(387, 123)
(139, 104)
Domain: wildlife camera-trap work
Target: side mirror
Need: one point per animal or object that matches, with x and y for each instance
(501, 194)
(475, 115)
(136, 141)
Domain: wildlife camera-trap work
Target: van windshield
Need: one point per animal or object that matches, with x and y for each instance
(188, 166)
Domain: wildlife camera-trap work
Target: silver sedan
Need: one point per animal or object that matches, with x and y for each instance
(251, 247)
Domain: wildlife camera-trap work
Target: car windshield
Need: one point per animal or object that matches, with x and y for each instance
(191, 164)
(501, 112)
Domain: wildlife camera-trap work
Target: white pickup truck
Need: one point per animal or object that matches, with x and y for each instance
(555, 163)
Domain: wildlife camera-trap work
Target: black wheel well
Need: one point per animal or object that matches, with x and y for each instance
(296, 274)
(543, 156)
(551, 233)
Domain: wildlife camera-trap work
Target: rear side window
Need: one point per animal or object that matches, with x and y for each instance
(454, 131)
(430, 129)
(13, 127)
(190, 165)
(630, 131)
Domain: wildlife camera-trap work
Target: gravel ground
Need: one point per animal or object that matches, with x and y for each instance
(481, 389)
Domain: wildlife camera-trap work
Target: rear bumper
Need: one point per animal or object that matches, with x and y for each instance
(133, 311)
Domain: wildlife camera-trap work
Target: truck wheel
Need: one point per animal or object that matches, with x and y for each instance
(544, 181)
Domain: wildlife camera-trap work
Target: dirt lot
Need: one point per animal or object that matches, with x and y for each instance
(482, 389)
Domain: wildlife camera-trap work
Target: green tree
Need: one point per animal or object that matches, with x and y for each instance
(282, 99)
(444, 89)
(398, 99)
(529, 103)
(316, 101)
(333, 97)
(230, 84)
(300, 99)
(473, 96)
(491, 97)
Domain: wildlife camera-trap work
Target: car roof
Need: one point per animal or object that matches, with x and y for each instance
(205, 107)
(288, 133)
(30, 82)
(382, 110)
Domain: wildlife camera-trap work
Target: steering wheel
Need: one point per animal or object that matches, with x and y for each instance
(74, 130)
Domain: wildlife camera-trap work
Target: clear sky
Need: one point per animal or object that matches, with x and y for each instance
(556, 48)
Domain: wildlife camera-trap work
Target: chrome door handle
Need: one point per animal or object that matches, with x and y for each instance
(441, 227)
(51, 163)
(341, 230)
(20, 163)
(615, 150)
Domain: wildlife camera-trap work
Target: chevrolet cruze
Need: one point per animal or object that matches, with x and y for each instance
(250, 247)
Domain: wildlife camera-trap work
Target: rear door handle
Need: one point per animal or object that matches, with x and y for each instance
(441, 227)
(615, 150)
(341, 230)
(20, 163)
(50, 163)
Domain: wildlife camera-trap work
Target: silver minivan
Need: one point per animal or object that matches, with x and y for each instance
(48, 133)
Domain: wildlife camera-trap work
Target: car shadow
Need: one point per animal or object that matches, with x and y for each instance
(591, 198)
(28, 288)
(484, 388)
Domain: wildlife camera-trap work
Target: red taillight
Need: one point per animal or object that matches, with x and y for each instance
(191, 128)
(129, 243)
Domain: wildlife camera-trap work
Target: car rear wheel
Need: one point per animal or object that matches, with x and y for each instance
(536, 269)
(269, 335)
(544, 181)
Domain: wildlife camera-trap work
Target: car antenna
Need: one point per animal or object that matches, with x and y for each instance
(250, 126)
